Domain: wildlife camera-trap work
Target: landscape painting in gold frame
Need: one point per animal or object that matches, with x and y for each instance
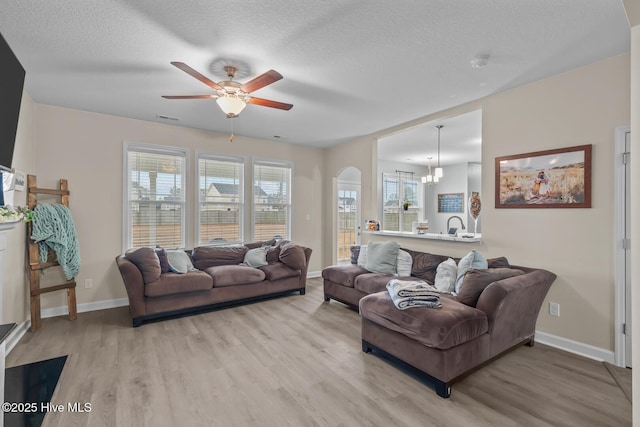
(559, 178)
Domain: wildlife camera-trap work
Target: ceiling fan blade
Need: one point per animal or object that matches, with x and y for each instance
(193, 73)
(268, 103)
(189, 96)
(261, 81)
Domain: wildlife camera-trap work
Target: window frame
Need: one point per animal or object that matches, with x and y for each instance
(401, 185)
(243, 198)
(257, 161)
(132, 146)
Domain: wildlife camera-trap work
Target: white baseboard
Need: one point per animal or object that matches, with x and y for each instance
(581, 349)
(88, 306)
(313, 274)
(15, 336)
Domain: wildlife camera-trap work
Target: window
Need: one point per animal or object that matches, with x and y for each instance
(271, 200)
(154, 211)
(398, 190)
(221, 199)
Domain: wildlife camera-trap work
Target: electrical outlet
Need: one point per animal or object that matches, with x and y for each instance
(88, 283)
(554, 309)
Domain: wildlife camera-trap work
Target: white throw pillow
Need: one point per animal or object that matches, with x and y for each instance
(179, 261)
(404, 263)
(362, 256)
(446, 275)
(256, 257)
(471, 260)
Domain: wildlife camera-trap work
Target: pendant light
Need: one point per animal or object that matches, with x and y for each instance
(438, 173)
(429, 178)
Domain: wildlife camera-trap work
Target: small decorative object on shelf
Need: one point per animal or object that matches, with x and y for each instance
(406, 205)
(474, 210)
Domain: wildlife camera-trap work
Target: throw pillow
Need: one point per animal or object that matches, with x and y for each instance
(446, 275)
(164, 262)
(362, 256)
(500, 262)
(147, 262)
(424, 265)
(475, 282)
(355, 253)
(179, 261)
(293, 256)
(256, 257)
(404, 263)
(260, 244)
(273, 254)
(382, 257)
(471, 260)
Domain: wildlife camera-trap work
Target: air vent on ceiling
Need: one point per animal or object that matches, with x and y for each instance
(165, 117)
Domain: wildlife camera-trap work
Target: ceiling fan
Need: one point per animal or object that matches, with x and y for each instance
(232, 96)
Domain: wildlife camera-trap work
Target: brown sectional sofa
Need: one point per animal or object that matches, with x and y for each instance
(218, 280)
(452, 341)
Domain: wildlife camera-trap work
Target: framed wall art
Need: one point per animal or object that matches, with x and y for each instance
(559, 178)
(451, 202)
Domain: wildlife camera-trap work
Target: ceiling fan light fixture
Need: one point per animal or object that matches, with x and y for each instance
(231, 105)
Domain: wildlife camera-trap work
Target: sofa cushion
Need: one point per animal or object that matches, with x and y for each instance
(382, 257)
(370, 283)
(446, 275)
(147, 262)
(451, 325)
(279, 271)
(473, 259)
(424, 265)
(164, 261)
(256, 257)
(343, 274)
(174, 283)
(475, 281)
(211, 256)
(260, 244)
(179, 261)
(355, 253)
(273, 255)
(229, 275)
(293, 256)
(499, 262)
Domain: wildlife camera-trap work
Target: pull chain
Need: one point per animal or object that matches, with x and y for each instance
(231, 136)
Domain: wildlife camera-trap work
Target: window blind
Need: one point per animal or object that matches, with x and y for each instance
(271, 200)
(221, 196)
(156, 198)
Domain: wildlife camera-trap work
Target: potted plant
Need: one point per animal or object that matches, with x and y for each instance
(406, 205)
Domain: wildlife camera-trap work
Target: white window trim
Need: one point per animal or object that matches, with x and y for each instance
(196, 193)
(151, 148)
(278, 163)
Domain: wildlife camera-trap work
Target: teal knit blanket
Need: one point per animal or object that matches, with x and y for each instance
(53, 228)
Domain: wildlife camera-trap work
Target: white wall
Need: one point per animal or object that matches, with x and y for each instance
(86, 148)
(579, 107)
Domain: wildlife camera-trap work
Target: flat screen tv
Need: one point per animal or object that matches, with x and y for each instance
(11, 84)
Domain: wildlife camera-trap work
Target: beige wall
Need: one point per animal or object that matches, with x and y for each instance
(579, 107)
(15, 283)
(87, 149)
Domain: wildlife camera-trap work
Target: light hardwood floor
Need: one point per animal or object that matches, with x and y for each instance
(297, 361)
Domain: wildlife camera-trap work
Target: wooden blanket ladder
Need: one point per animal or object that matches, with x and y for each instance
(35, 266)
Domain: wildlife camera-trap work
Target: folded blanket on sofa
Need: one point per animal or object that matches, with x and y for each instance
(407, 294)
(411, 288)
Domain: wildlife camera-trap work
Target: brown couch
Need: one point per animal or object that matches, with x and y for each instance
(452, 341)
(219, 279)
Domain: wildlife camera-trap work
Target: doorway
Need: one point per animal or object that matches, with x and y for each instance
(622, 246)
(348, 214)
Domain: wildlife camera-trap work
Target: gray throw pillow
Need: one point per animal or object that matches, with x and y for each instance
(256, 257)
(473, 259)
(179, 261)
(382, 257)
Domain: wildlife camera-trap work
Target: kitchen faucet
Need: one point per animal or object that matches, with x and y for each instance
(452, 217)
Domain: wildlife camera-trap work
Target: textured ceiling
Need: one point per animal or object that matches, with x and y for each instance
(350, 68)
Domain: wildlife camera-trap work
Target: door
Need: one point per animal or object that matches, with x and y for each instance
(627, 246)
(348, 219)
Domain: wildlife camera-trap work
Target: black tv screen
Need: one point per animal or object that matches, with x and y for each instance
(11, 84)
